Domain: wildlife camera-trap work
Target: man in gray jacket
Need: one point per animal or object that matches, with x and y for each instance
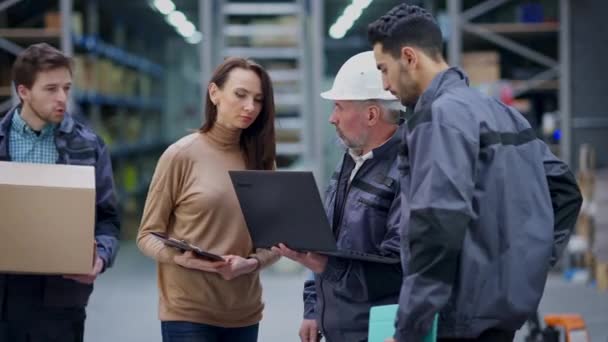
(363, 206)
(488, 207)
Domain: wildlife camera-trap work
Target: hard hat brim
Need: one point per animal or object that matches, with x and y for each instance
(333, 95)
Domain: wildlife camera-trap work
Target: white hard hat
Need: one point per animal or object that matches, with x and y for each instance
(358, 79)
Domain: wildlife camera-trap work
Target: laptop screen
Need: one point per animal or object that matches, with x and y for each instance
(283, 207)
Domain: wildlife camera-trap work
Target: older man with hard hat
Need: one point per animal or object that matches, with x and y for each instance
(363, 206)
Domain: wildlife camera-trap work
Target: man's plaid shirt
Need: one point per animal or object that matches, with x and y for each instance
(27, 146)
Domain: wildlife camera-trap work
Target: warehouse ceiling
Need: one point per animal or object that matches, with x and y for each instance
(131, 12)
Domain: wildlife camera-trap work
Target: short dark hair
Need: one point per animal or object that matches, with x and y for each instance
(38, 58)
(407, 25)
(258, 140)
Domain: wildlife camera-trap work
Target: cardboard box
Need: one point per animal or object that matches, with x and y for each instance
(47, 218)
(482, 66)
(52, 21)
(598, 211)
(601, 276)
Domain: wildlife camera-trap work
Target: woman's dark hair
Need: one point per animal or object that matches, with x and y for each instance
(258, 140)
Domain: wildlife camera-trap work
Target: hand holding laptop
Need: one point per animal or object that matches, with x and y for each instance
(233, 265)
(291, 212)
(189, 260)
(237, 266)
(313, 261)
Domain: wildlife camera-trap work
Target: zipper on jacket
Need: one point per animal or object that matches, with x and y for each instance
(337, 212)
(322, 316)
(343, 206)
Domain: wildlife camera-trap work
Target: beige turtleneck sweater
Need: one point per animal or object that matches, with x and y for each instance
(191, 197)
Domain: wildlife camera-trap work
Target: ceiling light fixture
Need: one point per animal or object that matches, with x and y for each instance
(345, 21)
(164, 6)
(178, 20)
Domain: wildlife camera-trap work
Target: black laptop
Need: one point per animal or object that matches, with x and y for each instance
(285, 207)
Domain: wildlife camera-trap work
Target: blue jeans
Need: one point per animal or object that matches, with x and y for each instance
(177, 331)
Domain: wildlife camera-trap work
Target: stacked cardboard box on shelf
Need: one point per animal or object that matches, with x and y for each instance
(107, 78)
(129, 82)
(52, 22)
(110, 78)
(144, 82)
(287, 135)
(599, 234)
(481, 66)
(592, 225)
(83, 73)
(5, 76)
(289, 23)
(586, 180)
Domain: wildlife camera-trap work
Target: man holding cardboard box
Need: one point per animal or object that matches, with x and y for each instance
(59, 225)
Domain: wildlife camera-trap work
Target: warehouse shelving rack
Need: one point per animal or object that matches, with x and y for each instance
(131, 124)
(286, 38)
(521, 39)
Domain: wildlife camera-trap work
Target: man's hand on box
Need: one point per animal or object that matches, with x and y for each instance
(88, 278)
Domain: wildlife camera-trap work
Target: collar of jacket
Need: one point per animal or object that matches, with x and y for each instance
(449, 78)
(66, 126)
(385, 150)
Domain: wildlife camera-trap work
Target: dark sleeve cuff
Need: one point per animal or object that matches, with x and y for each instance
(101, 253)
(309, 313)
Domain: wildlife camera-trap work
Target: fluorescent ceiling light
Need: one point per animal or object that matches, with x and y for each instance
(336, 31)
(176, 18)
(362, 3)
(350, 14)
(186, 29)
(195, 38)
(164, 6)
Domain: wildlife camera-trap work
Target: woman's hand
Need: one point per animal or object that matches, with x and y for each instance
(191, 261)
(236, 266)
(232, 267)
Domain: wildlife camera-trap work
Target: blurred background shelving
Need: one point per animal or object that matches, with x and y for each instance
(141, 68)
(138, 75)
(125, 59)
(278, 35)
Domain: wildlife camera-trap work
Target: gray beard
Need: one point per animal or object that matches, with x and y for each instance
(344, 146)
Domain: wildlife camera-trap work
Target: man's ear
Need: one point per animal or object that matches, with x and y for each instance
(408, 56)
(373, 114)
(23, 92)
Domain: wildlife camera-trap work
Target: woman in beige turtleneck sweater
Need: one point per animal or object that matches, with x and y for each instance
(191, 197)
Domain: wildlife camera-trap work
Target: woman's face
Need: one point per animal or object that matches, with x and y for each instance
(239, 101)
